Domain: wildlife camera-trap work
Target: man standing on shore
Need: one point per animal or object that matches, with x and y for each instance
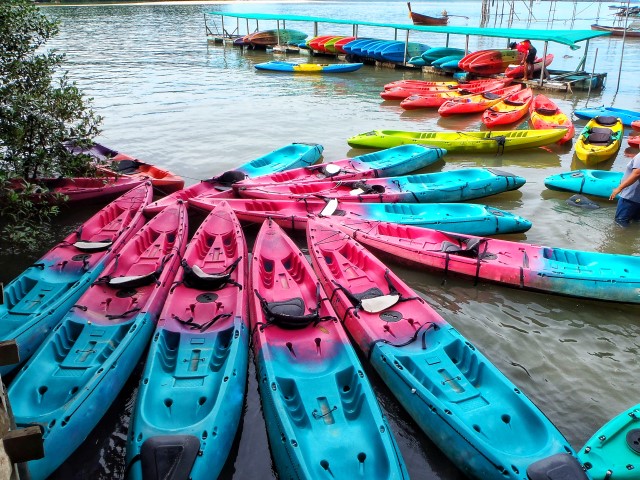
(629, 191)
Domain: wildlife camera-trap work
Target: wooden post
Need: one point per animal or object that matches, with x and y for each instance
(24, 444)
(9, 353)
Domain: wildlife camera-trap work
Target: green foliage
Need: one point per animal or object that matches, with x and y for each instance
(41, 111)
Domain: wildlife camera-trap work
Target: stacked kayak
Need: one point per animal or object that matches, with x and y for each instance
(466, 218)
(196, 370)
(451, 186)
(436, 53)
(599, 140)
(36, 300)
(626, 116)
(518, 70)
(476, 103)
(281, 66)
(269, 38)
(390, 162)
(290, 156)
(489, 62)
(590, 182)
(321, 413)
(508, 110)
(75, 375)
(613, 452)
(475, 415)
(468, 142)
(576, 273)
(544, 114)
(399, 52)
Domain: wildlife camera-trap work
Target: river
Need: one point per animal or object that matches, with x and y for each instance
(170, 98)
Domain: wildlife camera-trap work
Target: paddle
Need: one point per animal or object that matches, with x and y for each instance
(581, 201)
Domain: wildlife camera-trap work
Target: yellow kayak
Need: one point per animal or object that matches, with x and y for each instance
(600, 139)
(473, 142)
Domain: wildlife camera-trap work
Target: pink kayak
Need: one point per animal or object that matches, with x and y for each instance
(575, 273)
(389, 162)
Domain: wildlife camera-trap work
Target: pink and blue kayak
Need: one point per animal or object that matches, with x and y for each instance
(37, 299)
(478, 418)
(75, 375)
(322, 417)
(390, 162)
(450, 186)
(575, 273)
(196, 370)
(467, 218)
(294, 155)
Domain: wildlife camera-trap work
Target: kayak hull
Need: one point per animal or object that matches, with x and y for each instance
(599, 183)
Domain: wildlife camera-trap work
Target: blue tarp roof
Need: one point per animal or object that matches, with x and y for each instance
(565, 37)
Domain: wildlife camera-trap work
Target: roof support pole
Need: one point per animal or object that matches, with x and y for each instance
(278, 30)
(406, 47)
(544, 57)
(248, 31)
(446, 44)
(315, 29)
(624, 38)
(466, 45)
(395, 33)
(583, 60)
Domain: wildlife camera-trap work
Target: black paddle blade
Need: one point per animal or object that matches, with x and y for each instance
(582, 202)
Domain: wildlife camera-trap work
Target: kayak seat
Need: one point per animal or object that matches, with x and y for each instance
(470, 249)
(231, 176)
(195, 277)
(606, 120)
(169, 456)
(560, 465)
(93, 246)
(515, 103)
(366, 188)
(490, 96)
(133, 281)
(599, 136)
(125, 167)
(464, 91)
(288, 314)
(546, 111)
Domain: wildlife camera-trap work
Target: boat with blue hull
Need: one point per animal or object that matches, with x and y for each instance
(599, 183)
(294, 67)
(626, 116)
(322, 416)
(192, 391)
(70, 382)
(475, 415)
(466, 218)
(293, 155)
(37, 299)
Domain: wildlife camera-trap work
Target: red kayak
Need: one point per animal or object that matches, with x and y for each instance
(435, 99)
(476, 103)
(342, 42)
(635, 125)
(545, 114)
(518, 71)
(509, 110)
(634, 141)
(493, 62)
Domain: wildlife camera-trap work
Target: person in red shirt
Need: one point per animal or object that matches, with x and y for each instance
(529, 57)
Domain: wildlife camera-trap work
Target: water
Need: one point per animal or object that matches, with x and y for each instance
(171, 99)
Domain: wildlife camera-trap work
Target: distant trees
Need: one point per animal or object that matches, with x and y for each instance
(40, 112)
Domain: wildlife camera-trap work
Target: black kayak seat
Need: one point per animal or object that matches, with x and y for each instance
(606, 120)
(289, 313)
(490, 96)
(515, 103)
(126, 167)
(599, 136)
(546, 111)
(561, 466)
(169, 457)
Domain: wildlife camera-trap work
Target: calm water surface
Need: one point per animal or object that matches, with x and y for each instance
(171, 99)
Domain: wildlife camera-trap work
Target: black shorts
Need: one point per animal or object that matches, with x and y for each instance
(531, 56)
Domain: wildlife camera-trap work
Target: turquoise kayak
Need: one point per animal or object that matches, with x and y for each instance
(72, 379)
(280, 66)
(478, 418)
(599, 183)
(613, 452)
(322, 417)
(36, 300)
(196, 370)
(627, 116)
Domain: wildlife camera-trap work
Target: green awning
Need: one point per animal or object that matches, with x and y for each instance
(565, 37)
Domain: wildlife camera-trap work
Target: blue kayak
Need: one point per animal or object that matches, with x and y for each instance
(400, 52)
(194, 380)
(72, 379)
(599, 183)
(627, 116)
(478, 418)
(280, 66)
(290, 156)
(438, 52)
(36, 300)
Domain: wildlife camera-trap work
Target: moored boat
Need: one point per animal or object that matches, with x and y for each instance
(599, 140)
(510, 109)
(576, 273)
(73, 378)
(590, 182)
(478, 418)
(293, 155)
(544, 114)
(37, 299)
(196, 370)
(618, 31)
(450, 186)
(470, 142)
(469, 218)
(613, 452)
(390, 162)
(321, 414)
(421, 19)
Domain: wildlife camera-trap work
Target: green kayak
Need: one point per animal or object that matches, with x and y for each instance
(614, 451)
(468, 142)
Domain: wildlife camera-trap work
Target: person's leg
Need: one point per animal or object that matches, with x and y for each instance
(626, 211)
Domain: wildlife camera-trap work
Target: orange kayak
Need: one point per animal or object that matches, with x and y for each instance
(508, 110)
(435, 99)
(476, 103)
(545, 114)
